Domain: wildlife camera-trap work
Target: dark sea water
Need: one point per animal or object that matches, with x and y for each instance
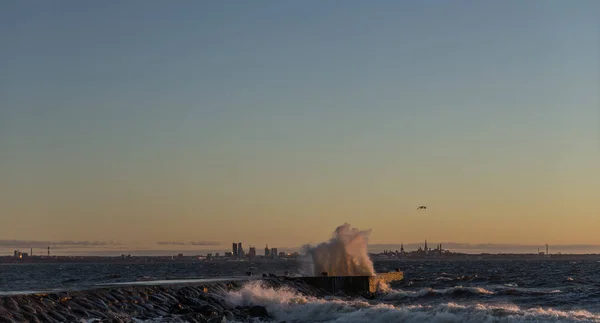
(433, 291)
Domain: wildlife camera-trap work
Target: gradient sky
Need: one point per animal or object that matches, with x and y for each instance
(275, 121)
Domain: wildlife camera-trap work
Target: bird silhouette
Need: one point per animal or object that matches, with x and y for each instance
(422, 207)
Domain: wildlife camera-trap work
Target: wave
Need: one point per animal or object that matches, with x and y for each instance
(426, 292)
(288, 305)
(460, 290)
(527, 291)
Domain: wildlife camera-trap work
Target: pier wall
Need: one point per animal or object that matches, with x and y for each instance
(353, 285)
(356, 285)
(384, 278)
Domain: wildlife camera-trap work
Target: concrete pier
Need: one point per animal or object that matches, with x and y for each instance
(352, 285)
(384, 278)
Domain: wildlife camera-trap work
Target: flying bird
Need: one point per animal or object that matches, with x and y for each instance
(422, 207)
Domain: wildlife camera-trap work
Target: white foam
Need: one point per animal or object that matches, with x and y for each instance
(288, 305)
(344, 255)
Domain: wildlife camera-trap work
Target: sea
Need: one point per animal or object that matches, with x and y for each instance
(432, 291)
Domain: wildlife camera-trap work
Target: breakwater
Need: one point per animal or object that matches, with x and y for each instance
(184, 301)
(174, 301)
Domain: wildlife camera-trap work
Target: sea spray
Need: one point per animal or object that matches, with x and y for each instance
(344, 255)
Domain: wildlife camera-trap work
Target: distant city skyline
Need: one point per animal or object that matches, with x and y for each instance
(167, 250)
(276, 121)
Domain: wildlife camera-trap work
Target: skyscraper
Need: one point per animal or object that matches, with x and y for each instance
(234, 248)
(267, 251)
(240, 250)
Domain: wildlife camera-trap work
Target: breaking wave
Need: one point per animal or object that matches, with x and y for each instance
(344, 255)
(288, 305)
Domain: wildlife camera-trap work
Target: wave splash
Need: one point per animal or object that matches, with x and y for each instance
(344, 255)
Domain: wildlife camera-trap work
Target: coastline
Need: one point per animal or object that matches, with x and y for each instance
(375, 257)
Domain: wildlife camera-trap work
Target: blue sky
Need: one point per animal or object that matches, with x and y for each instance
(165, 116)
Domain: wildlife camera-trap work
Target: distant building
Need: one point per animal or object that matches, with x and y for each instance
(252, 251)
(267, 251)
(20, 255)
(217, 254)
(273, 252)
(229, 254)
(234, 249)
(240, 250)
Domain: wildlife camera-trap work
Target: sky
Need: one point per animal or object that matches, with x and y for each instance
(272, 122)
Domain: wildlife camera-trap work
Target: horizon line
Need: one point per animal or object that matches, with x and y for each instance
(13, 243)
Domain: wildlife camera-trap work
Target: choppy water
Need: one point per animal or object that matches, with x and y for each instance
(36, 277)
(433, 291)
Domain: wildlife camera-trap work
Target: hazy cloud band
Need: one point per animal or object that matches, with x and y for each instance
(39, 243)
(189, 243)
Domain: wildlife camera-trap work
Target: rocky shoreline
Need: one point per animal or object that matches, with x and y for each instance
(166, 303)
